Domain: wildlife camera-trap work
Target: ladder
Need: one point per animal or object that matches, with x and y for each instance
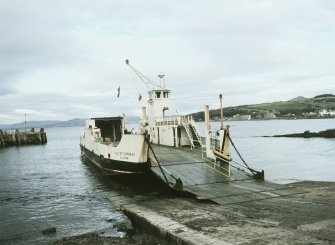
(193, 134)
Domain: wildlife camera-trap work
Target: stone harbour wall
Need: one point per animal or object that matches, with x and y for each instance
(18, 138)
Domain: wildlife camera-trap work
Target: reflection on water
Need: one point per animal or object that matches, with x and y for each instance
(50, 186)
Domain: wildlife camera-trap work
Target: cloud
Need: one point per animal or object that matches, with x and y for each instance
(66, 59)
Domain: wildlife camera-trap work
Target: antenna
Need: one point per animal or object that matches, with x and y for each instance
(25, 122)
(162, 80)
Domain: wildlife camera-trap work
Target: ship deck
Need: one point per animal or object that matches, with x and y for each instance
(206, 183)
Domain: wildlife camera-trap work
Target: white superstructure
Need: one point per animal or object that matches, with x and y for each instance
(178, 130)
(169, 130)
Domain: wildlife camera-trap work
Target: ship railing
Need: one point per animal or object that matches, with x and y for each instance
(215, 143)
(170, 120)
(187, 119)
(218, 164)
(174, 120)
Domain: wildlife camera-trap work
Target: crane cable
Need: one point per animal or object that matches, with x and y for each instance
(135, 84)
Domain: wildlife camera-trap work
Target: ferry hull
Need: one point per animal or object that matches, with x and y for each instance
(114, 167)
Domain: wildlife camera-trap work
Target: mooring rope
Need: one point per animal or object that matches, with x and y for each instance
(158, 163)
(238, 153)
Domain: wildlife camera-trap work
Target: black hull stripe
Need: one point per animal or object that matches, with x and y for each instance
(115, 167)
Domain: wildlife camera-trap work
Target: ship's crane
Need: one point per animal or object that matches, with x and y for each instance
(149, 83)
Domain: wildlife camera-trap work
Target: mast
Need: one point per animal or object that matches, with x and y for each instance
(221, 111)
(25, 122)
(162, 80)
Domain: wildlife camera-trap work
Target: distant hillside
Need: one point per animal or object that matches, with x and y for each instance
(53, 123)
(69, 123)
(281, 109)
(45, 124)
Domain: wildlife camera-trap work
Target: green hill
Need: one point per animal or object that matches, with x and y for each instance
(297, 108)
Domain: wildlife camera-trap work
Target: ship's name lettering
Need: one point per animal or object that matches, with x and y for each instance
(125, 154)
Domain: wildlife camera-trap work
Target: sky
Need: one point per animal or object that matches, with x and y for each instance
(66, 59)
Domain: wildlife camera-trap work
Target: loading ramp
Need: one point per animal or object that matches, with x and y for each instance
(199, 177)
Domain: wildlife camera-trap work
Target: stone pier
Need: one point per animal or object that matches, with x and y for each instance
(18, 138)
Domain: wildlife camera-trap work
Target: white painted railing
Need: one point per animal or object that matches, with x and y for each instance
(170, 120)
(173, 120)
(214, 163)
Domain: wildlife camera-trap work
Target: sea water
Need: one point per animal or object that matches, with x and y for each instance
(52, 186)
(284, 159)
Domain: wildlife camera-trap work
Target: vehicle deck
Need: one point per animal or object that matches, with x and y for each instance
(201, 179)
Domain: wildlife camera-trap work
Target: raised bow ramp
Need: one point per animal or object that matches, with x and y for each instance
(186, 170)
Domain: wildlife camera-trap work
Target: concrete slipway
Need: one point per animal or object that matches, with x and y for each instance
(201, 178)
(307, 218)
(249, 212)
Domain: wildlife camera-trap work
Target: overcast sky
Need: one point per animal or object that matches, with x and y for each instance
(63, 59)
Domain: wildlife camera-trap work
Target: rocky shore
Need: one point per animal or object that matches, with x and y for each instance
(136, 239)
(329, 133)
(307, 218)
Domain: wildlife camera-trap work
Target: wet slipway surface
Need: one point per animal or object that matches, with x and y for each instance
(201, 179)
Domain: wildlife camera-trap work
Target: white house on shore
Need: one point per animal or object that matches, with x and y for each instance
(325, 112)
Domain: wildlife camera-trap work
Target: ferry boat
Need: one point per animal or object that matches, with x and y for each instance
(115, 150)
(171, 149)
(112, 148)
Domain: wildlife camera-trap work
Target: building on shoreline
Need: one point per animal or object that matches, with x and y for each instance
(326, 113)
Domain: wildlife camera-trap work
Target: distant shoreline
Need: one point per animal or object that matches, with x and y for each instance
(272, 119)
(65, 124)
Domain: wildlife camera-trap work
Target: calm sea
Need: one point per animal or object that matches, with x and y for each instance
(51, 186)
(285, 160)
